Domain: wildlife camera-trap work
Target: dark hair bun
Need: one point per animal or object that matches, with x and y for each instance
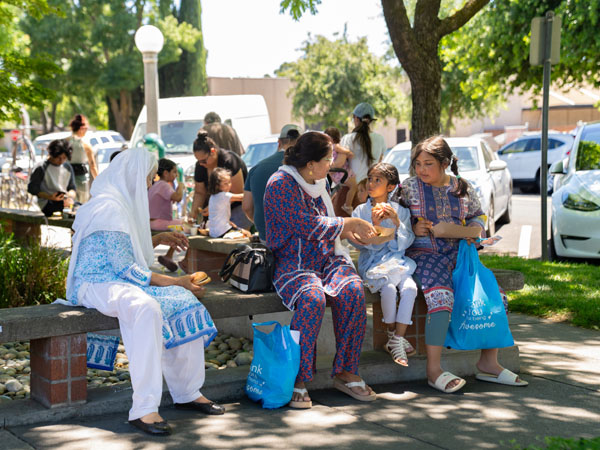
(202, 135)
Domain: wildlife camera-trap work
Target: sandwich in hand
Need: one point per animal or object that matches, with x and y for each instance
(200, 278)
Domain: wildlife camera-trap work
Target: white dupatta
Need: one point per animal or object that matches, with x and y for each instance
(119, 203)
(319, 189)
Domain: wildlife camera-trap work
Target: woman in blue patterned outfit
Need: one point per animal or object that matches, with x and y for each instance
(433, 196)
(311, 265)
(163, 325)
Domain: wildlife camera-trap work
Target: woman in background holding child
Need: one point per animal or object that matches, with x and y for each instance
(161, 197)
(383, 265)
(219, 204)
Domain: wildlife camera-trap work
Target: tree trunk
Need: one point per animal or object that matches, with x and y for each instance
(44, 121)
(121, 109)
(53, 117)
(426, 100)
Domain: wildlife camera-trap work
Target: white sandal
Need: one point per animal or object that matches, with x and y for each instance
(300, 404)
(396, 346)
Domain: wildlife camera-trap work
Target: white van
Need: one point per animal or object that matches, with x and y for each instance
(180, 119)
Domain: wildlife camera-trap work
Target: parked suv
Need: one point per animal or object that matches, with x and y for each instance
(524, 157)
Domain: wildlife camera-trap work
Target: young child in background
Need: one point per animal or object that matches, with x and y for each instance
(383, 266)
(161, 197)
(219, 204)
(341, 160)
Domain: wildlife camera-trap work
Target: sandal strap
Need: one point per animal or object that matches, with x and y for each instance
(397, 347)
(360, 384)
(300, 391)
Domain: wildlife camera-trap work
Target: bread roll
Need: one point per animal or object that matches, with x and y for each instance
(200, 278)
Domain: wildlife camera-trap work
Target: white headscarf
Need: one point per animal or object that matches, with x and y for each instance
(319, 189)
(119, 203)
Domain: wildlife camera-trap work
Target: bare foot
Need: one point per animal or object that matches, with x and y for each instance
(296, 397)
(435, 374)
(492, 369)
(152, 418)
(348, 377)
(202, 399)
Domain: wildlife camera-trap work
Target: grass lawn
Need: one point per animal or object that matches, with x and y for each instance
(562, 291)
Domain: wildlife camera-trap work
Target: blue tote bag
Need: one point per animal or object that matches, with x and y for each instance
(478, 317)
(274, 366)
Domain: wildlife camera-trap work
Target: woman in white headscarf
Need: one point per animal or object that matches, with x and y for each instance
(163, 325)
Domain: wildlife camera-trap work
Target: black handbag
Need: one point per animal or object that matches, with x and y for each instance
(249, 268)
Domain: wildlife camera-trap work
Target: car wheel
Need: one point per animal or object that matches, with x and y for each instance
(551, 248)
(491, 228)
(507, 216)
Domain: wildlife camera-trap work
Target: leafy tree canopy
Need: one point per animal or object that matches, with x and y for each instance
(18, 69)
(333, 76)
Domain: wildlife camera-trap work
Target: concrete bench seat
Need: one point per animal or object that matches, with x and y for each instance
(27, 224)
(58, 333)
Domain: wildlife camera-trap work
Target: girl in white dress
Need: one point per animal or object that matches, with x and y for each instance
(383, 264)
(219, 204)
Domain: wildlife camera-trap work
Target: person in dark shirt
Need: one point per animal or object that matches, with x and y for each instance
(256, 182)
(209, 156)
(53, 181)
(224, 136)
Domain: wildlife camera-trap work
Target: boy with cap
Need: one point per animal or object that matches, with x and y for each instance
(256, 182)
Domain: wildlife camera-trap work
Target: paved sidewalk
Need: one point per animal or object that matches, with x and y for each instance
(562, 364)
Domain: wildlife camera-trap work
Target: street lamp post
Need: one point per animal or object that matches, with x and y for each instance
(149, 41)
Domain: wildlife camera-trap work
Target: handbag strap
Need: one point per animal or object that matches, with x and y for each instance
(233, 259)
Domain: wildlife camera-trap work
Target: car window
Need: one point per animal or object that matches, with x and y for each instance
(554, 143)
(467, 158)
(515, 147)
(588, 151)
(93, 141)
(105, 140)
(534, 145)
(257, 152)
(400, 159)
(117, 138)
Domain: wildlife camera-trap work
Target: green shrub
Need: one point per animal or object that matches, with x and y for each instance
(558, 443)
(29, 273)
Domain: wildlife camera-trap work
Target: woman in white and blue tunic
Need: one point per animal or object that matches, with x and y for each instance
(163, 325)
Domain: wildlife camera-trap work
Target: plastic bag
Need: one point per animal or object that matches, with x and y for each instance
(275, 365)
(478, 318)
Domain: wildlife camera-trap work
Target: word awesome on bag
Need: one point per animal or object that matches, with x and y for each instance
(249, 268)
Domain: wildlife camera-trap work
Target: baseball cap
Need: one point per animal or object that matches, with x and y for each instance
(364, 109)
(287, 128)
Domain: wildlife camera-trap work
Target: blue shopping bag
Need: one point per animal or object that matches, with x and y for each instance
(478, 318)
(274, 366)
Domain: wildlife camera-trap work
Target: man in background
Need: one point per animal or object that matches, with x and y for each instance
(223, 135)
(256, 182)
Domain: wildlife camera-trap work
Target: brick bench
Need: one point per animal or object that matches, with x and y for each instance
(27, 224)
(208, 254)
(58, 333)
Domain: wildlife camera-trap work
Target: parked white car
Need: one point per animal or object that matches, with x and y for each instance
(94, 138)
(259, 150)
(524, 157)
(103, 152)
(575, 225)
(479, 165)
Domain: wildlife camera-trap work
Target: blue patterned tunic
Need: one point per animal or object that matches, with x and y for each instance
(436, 257)
(302, 238)
(107, 256)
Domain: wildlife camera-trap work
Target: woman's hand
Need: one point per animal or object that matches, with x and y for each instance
(173, 239)
(423, 227)
(474, 240)
(186, 282)
(357, 230)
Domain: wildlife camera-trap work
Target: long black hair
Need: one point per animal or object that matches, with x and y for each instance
(311, 146)
(390, 173)
(363, 137)
(437, 147)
